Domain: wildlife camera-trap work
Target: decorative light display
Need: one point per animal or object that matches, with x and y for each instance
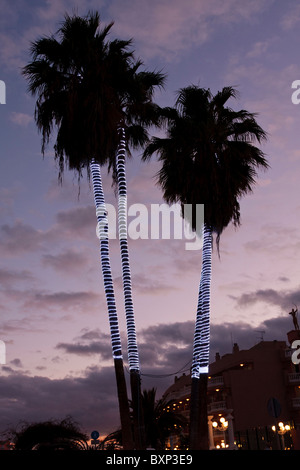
(133, 355)
(200, 361)
(105, 261)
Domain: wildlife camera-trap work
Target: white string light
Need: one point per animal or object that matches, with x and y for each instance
(200, 362)
(133, 355)
(105, 261)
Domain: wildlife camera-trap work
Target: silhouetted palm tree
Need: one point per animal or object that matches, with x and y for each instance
(140, 113)
(49, 435)
(208, 157)
(160, 420)
(87, 88)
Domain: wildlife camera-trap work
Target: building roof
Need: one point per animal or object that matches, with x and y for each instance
(179, 384)
(256, 353)
(229, 361)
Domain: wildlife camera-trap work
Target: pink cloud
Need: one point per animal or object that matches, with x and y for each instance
(166, 29)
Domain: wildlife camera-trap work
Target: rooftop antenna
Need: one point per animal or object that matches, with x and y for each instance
(262, 332)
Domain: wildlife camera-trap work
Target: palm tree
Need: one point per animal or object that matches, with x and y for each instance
(49, 435)
(160, 420)
(86, 87)
(208, 157)
(141, 113)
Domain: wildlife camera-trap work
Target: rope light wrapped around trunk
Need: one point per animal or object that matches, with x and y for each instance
(101, 214)
(202, 327)
(133, 355)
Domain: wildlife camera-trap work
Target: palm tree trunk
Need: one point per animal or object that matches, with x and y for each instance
(200, 364)
(133, 355)
(111, 306)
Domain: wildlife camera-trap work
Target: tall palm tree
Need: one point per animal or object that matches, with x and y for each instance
(208, 157)
(86, 87)
(140, 113)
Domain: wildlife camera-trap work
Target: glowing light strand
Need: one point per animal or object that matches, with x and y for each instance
(200, 361)
(105, 261)
(133, 355)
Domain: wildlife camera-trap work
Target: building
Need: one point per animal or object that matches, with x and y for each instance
(253, 397)
(6, 445)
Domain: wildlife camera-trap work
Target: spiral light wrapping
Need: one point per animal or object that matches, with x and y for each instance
(133, 355)
(200, 362)
(105, 261)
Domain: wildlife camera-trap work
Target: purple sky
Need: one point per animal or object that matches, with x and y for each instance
(52, 308)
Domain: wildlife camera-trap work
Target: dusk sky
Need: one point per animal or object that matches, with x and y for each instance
(53, 316)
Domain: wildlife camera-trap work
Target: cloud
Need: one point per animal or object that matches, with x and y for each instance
(291, 18)
(22, 325)
(17, 363)
(51, 10)
(176, 333)
(63, 300)
(21, 119)
(223, 336)
(10, 55)
(45, 18)
(273, 240)
(77, 220)
(89, 343)
(147, 284)
(163, 29)
(69, 261)
(90, 399)
(259, 49)
(7, 198)
(19, 238)
(284, 299)
(9, 277)
(78, 223)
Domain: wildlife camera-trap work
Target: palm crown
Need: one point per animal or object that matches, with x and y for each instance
(86, 87)
(208, 156)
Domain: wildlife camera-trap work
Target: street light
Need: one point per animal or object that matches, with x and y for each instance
(221, 426)
(282, 429)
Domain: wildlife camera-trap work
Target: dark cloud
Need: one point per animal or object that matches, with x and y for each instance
(91, 398)
(223, 336)
(89, 343)
(283, 299)
(17, 362)
(178, 332)
(69, 261)
(284, 279)
(167, 348)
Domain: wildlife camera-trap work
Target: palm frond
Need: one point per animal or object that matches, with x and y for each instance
(209, 155)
